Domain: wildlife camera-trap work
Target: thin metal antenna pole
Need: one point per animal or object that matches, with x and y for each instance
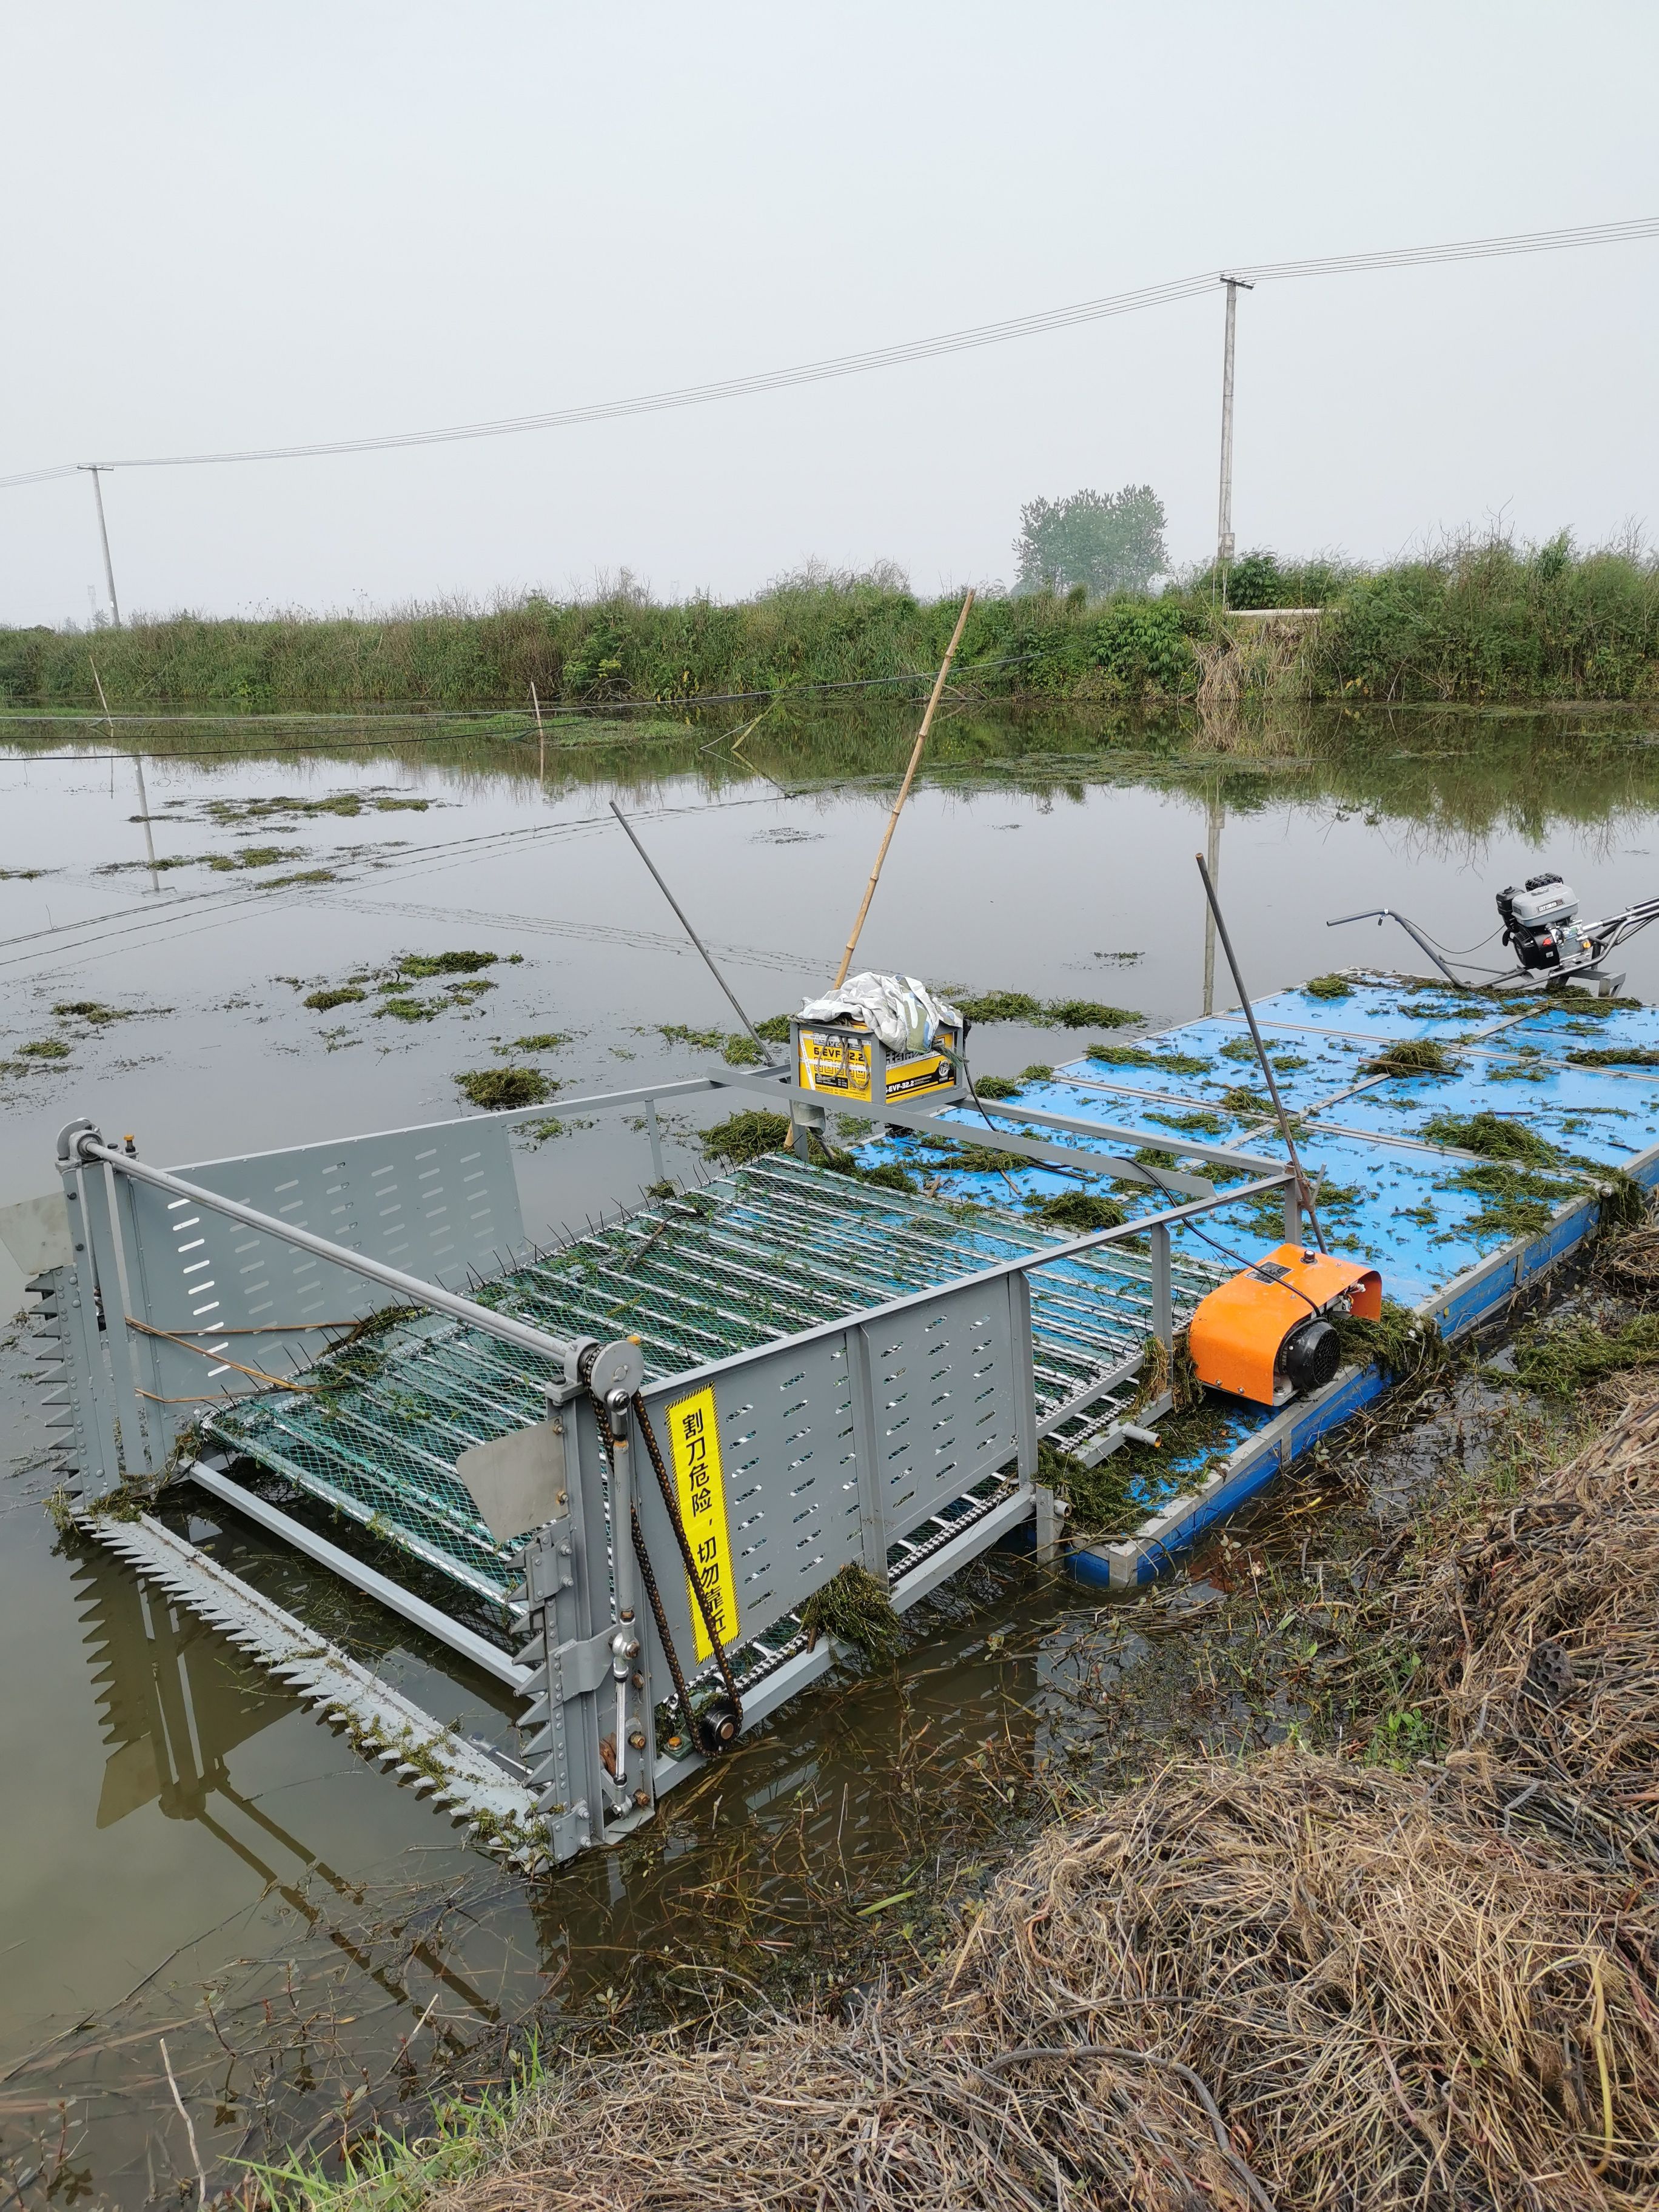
(95, 471)
(1224, 549)
(904, 789)
(1304, 1189)
(708, 956)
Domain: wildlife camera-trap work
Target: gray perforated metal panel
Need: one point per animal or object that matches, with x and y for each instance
(438, 1203)
(799, 1457)
(945, 1387)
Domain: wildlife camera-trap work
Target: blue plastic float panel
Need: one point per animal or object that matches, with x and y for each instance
(1394, 1196)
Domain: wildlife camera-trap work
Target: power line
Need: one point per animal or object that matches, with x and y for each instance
(892, 356)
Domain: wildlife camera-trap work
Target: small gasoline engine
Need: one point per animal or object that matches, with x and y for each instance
(1268, 1333)
(1541, 921)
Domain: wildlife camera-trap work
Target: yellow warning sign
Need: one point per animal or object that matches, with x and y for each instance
(694, 1440)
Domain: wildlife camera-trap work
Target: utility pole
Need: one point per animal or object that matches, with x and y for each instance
(95, 470)
(1224, 551)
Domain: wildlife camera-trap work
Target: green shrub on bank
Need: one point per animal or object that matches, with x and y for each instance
(1475, 619)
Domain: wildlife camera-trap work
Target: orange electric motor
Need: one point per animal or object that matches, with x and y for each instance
(1266, 1335)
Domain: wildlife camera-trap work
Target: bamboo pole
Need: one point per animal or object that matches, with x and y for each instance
(904, 789)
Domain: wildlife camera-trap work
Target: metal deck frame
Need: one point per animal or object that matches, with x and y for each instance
(585, 1663)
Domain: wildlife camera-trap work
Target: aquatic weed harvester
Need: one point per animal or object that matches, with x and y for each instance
(613, 1477)
(1539, 919)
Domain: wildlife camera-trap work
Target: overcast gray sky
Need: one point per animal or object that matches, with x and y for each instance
(233, 227)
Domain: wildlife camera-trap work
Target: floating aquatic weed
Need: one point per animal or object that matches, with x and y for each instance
(1246, 1105)
(1143, 1055)
(1104, 1498)
(1328, 986)
(421, 965)
(1412, 1056)
(89, 1010)
(306, 876)
(323, 1002)
(855, 1608)
(997, 1086)
(256, 856)
(1090, 1014)
(1040, 1072)
(1515, 1201)
(1403, 1344)
(1563, 1359)
(543, 1040)
(745, 1135)
(1197, 1124)
(1494, 1136)
(501, 1088)
(1614, 1056)
(1082, 1211)
(45, 1048)
(1001, 1006)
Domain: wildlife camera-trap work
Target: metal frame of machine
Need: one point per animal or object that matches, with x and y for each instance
(902, 1436)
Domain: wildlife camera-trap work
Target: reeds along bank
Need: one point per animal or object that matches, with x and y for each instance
(1472, 620)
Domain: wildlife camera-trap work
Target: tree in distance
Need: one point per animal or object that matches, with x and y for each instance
(1101, 542)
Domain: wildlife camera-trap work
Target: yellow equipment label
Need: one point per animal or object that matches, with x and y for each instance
(838, 1060)
(694, 1440)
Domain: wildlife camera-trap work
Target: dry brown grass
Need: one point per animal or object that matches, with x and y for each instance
(1540, 1634)
(1631, 1262)
(1295, 1982)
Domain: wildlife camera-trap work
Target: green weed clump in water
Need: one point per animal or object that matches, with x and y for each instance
(734, 1046)
(89, 1009)
(1091, 1014)
(501, 1088)
(1061, 1013)
(1412, 1056)
(997, 1086)
(745, 1135)
(855, 1608)
(1001, 1006)
(45, 1048)
(1494, 1136)
(1082, 1211)
(1141, 1055)
(543, 1040)
(323, 1002)
(421, 965)
(1612, 1056)
(1401, 1343)
(1038, 1072)
(1562, 1360)
(1328, 986)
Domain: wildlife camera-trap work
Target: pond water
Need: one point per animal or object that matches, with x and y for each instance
(185, 1857)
